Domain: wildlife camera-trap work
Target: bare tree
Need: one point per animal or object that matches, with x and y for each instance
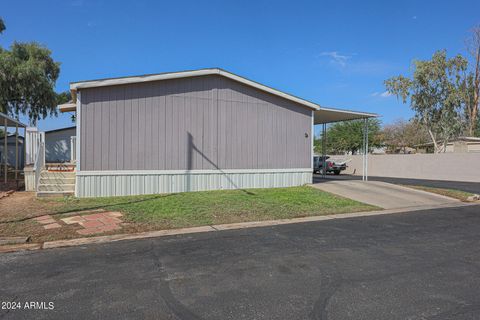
(401, 134)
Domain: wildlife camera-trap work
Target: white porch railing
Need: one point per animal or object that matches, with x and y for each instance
(33, 140)
(73, 149)
(39, 163)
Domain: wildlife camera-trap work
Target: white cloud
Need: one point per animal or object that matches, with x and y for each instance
(336, 57)
(385, 94)
(350, 64)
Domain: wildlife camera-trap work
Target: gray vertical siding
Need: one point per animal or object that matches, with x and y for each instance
(200, 123)
(99, 184)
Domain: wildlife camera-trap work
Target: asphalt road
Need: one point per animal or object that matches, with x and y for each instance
(472, 187)
(419, 265)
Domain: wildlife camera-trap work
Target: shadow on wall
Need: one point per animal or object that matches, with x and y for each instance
(193, 148)
(57, 151)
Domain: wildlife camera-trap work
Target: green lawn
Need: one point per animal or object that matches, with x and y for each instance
(217, 207)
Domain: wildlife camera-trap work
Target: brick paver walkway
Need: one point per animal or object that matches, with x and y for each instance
(48, 222)
(92, 223)
(96, 223)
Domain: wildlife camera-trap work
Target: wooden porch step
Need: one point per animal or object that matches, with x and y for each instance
(57, 175)
(57, 180)
(43, 194)
(56, 183)
(57, 187)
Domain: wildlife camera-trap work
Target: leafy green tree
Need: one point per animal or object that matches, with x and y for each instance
(347, 137)
(472, 83)
(63, 97)
(27, 81)
(436, 94)
(2, 25)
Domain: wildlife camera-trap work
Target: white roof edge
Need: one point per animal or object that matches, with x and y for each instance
(184, 74)
(360, 113)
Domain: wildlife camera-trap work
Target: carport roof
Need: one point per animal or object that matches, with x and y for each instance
(10, 121)
(328, 115)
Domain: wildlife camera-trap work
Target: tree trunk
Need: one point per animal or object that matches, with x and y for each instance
(444, 146)
(435, 144)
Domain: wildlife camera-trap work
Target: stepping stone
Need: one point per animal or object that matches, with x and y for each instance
(52, 226)
(95, 216)
(113, 214)
(45, 219)
(72, 220)
(91, 224)
(110, 220)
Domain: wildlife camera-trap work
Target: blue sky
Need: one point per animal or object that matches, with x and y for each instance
(335, 53)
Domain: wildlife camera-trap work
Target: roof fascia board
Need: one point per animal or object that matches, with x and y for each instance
(139, 79)
(67, 107)
(269, 90)
(185, 74)
(60, 129)
(365, 114)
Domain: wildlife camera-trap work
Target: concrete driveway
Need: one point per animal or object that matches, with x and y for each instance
(382, 194)
(419, 265)
(472, 187)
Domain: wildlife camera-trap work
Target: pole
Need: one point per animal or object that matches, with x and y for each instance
(363, 153)
(5, 149)
(366, 149)
(24, 144)
(324, 148)
(16, 152)
(325, 155)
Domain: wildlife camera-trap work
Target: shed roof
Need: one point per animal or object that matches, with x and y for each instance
(10, 121)
(322, 114)
(60, 129)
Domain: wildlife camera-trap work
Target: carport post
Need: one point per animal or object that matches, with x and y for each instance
(5, 148)
(16, 152)
(324, 150)
(365, 150)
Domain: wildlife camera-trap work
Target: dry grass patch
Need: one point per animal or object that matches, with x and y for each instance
(456, 194)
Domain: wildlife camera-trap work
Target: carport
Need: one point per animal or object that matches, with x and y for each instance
(324, 116)
(5, 123)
